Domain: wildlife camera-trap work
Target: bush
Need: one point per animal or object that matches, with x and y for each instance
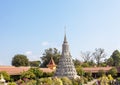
(104, 80)
(31, 82)
(118, 78)
(5, 75)
(85, 80)
(80, 71)
(57, 81)
(45, 81)
(76, 81)
(110, 77)
(101, 73)
(14, 78)
(28, 74)
(11, 83)
(32, 73)
(88, 75)
(37, 72)
(66, 81)
(47, 74)
(113, 72)
(19, 82)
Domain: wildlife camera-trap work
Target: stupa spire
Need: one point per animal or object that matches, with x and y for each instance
(65, 39)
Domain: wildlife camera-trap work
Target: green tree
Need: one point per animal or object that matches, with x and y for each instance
(47, 74)
(45, 81)
(80, 71)
(98, 55)
(37, 72)
(32, 73)
(20, 60)
(34, 63)
(66, 81)
(110, 61)
(5, 75)
(88, 75)
(113, 71)
(31, 82)
(11, 83)
(28, 75)
(116, 58)
(104, 80)
(85, 64)
(76, 62)
(57, 81)
(51, 52)
(91, 63)
(101, 73)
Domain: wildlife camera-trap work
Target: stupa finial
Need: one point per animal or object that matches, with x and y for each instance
(65, 39)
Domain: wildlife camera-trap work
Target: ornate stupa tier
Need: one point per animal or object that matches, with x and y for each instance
(66, 66)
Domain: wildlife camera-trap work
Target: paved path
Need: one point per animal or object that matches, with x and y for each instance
(91, 83)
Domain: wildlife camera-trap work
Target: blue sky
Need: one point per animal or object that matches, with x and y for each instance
(31, 26)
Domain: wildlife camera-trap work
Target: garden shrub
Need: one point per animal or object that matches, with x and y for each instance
(11, 83)
(5, 75)
(101, 73)
(104, 80)
(118, 78)
(113, 72)
(31, 82)
(57, 81)
(85, 80)
(45, 81)
(66, 81)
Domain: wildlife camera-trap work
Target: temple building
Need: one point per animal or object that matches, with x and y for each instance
(65, 66)
(51, 64)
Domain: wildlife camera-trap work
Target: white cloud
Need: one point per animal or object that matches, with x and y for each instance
(31, 56)
(28, 53)
(45, 43)
(34, 57)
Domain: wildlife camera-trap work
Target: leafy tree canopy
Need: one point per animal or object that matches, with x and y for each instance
(80, 71)
(34, 63)
(110, 61)
(32, 73)
(116, 58)
(66, 81)
(38, 73)
(28, 74)
(113, 71)
(51, 52)
(77, 62)
(20, 60)
(101, 73)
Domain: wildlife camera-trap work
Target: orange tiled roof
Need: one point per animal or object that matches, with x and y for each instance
(46, 70)
(96, 69)
(11, 70)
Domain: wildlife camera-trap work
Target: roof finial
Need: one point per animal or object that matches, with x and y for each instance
(65, 39)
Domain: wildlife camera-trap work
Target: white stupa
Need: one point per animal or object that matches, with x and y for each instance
(2, 79)
(65, 67)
